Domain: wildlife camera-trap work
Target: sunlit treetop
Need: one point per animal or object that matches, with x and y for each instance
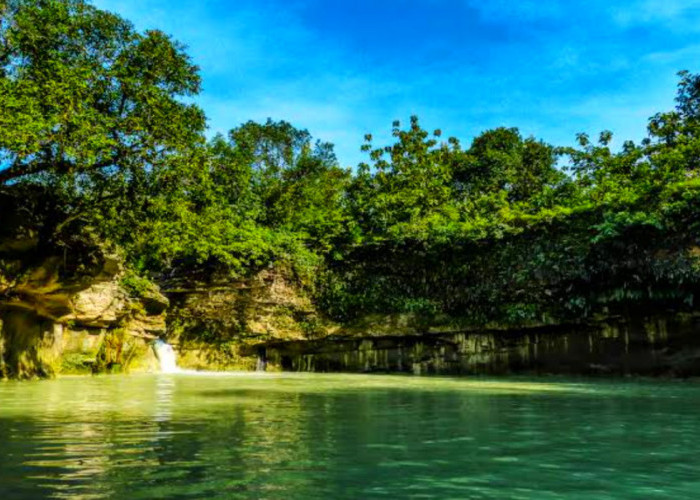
(83, 93)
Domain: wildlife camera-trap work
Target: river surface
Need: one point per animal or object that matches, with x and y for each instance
(348, 436)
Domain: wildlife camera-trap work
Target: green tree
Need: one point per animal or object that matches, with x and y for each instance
(673, 146)
(500, 159)
(298, 182)
(88, 100)
(406, 182)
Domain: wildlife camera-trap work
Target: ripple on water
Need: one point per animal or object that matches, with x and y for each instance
(346, 436)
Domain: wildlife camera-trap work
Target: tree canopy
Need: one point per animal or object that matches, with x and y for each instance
(85, 96)
(508, 228)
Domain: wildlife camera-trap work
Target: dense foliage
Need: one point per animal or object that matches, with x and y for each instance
(509, 229)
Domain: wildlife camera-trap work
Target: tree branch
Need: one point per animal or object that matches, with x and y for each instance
(17, 170)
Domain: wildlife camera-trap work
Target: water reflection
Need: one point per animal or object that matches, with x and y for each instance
(344, 437)
(164, 391)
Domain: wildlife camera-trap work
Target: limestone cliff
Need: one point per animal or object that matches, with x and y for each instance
(62, 303)
(269, 319)
(215, 320)
(661, 344)
(67, 305)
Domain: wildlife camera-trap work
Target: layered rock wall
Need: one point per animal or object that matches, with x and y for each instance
(215, 321)
(657, 345)
(62, 304)
(65, 307)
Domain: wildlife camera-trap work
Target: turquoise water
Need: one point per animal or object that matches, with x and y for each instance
(347, 436)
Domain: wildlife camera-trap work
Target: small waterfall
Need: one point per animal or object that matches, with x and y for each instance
(261, 364)
(166, 356)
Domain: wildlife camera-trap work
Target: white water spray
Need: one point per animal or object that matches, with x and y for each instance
(168, 363)
(166, 357)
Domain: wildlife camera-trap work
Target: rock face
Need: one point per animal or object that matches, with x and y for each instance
(66, 307)
(214, 320)
(656, 345)
(62, 305)
(268, 320)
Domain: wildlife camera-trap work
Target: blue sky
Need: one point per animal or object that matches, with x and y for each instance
(345, 68)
